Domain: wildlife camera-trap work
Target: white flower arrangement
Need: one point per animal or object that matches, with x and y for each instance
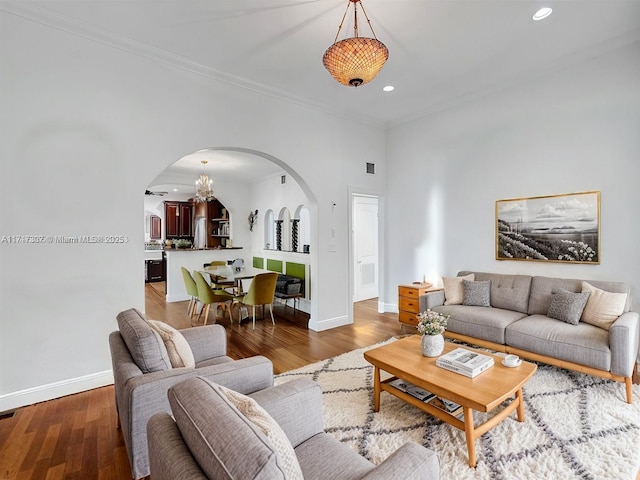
(431, 323)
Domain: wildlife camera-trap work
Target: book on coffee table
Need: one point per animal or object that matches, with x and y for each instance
(466, 362)
(411, 389)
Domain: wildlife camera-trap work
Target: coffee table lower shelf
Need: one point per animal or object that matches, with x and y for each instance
(466, 425)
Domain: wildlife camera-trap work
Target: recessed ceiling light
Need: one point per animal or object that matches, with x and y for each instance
(542, 13)
(389, 88)
(175, 189)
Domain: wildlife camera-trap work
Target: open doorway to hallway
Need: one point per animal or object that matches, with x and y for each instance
(365, 247)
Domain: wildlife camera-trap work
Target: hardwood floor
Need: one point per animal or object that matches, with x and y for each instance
(76, 437)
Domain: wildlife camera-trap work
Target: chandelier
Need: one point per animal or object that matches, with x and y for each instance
(204, 192)
(357, 60)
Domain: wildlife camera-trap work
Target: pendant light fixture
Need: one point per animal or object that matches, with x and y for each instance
(204, 192)
(357, 60)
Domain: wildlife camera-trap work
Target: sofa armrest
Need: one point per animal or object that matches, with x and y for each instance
(244, 376)
(431, 299)
(410, 462)
(207, 341)
(296, 406)
(624, 338)
(169, 456)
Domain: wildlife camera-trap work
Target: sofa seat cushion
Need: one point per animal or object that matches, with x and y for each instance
(583, 344)
(322, 457)
(144, 344)
(486, 323)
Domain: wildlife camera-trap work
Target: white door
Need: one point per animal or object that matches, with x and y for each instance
(365, 247)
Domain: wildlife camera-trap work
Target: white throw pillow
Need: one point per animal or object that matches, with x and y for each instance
(603, 308)
(453, 289)
(266, 424)
(179, 350)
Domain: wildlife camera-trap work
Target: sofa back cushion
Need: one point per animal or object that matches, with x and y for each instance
(542, 289)
(222, 440)
(145, 345)
(510, 292)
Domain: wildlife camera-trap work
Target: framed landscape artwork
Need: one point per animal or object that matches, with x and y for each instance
(554, 228)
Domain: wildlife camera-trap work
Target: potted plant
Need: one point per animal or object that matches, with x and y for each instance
(431, 325)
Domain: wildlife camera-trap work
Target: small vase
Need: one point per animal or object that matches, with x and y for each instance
(432, 345)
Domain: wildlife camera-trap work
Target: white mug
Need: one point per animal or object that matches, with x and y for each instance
(511, 359)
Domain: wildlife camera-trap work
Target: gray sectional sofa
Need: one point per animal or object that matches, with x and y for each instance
(516, 322)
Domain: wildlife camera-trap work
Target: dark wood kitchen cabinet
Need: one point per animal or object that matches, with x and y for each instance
(178, 220)
(155, 227)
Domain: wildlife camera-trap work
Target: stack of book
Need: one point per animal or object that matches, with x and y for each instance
(411, 389)
(465, 362)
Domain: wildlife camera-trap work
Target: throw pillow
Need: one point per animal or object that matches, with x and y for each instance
(266, 424)
(603, 308)
(567, 306)
(178, 349)
(476, 293)
(453, 292)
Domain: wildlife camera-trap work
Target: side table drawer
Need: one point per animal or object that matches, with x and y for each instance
(413, 292)
(409, 304)
(408, 318)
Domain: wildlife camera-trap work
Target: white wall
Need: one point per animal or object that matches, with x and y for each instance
(577, 129)
(86, 127)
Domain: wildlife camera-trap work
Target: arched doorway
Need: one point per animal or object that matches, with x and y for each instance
(241, 180)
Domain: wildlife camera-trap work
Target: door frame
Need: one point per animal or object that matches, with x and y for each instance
(364, 192)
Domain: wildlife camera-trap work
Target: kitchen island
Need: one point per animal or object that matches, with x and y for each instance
(192, 260)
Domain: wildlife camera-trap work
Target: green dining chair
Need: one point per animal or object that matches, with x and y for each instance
(192, 291)
(261, 292)
(207, 296)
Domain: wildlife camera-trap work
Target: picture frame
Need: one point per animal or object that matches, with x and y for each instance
(553, 228)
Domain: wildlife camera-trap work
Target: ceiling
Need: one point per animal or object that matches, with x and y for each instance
(441, 52)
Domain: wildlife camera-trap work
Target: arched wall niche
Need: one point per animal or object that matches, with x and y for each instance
(269, 230)
(283, 230)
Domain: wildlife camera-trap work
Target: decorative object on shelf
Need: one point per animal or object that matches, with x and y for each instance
(294, 234)
(431, 325)
(357, 60)
(253, 216)
(204, 192)
(552, 228)
(278, 234)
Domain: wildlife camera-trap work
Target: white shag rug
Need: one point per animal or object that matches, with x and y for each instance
(576, 426)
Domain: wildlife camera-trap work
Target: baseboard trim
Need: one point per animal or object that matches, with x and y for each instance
(329, 323)
(50, 391)
(177, 298)
(388, 307)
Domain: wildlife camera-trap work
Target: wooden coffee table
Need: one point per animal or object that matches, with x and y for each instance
(403, 359)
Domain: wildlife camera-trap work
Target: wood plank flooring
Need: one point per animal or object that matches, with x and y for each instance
(76, 437)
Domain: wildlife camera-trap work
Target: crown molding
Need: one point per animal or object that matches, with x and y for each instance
(47, 18)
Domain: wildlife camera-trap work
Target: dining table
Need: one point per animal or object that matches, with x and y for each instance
(229, 273)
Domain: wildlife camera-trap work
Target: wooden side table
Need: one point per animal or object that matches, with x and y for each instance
(409, 301)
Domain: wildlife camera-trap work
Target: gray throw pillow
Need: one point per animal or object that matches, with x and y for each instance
(567, 306)
(477, 293)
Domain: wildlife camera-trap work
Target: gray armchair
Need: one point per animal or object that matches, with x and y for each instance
(211, 439)
(143, 374)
